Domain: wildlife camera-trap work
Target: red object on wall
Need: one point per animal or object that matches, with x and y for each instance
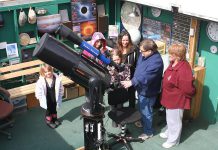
(88, 28)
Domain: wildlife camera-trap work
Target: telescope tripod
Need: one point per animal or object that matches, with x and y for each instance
(93, 114)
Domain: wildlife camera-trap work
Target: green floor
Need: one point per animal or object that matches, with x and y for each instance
(31, 133)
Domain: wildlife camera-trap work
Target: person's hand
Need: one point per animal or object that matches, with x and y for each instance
(126, 84)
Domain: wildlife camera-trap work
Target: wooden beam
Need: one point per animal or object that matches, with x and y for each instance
(20, 66)
(19, 73)
(193, 41)
(199, 84)
(30, 88)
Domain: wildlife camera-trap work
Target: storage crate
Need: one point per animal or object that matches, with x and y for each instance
(20, 104)
(81, 91)
(71, 91)
(32, 101)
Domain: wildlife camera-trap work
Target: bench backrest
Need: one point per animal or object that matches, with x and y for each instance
(20, 69)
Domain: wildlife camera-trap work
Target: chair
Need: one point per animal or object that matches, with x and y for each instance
(122, 116)
(6, 109)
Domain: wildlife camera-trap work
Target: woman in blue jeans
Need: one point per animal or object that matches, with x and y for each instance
(147, 82)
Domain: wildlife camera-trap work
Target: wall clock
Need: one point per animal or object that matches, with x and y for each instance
(213, 49)
(130, 15)
(155, 12)
(212, 31)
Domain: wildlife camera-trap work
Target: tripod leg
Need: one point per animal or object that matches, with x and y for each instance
(113, 143)
(112, 135)
(127, 145)
(131, 139)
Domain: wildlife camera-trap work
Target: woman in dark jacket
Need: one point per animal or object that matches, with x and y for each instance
(130, 54)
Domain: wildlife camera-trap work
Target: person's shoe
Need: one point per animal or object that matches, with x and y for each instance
(145, 136)
(51, 125)
(168, 145)
(163, 135)
(138, 124)
(57, 122)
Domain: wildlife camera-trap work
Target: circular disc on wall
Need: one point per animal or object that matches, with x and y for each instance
(130, 16)
(213, 49)
(155, 12)
(212, 31)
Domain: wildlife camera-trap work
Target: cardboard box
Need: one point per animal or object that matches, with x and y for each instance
(32, 101)
(81, 91)
(71, 91)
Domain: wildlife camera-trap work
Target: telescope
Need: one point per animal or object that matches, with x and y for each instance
(71, 36)
(92, 76)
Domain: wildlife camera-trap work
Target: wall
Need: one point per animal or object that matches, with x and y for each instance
(109, 9)
(7, 29)
(165, 16)
(210, 94)
(209, 106)
(10, 31)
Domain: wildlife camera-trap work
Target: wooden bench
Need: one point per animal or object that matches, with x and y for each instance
(20, 70)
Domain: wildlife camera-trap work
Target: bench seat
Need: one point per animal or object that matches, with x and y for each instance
(30, 88)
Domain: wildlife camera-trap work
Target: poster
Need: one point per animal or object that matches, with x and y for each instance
(83, 11)
(156, 30)
(84, 18)
(11, 50)
(113, 31)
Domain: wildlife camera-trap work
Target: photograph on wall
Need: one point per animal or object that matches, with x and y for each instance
(85, 29)
(113, 31)
(84, 18)
(83, 10)
(11, 50)
(156, 30)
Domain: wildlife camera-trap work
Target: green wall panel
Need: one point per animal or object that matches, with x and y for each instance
(210, 94)
(51, 9)
(165, 16)
(117, 12)
(109, 6)
(65, 6)
(7, 33)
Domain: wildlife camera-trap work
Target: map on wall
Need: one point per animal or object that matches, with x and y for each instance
(156, 30)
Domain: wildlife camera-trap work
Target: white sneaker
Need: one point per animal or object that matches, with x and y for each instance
(163, 135)
(145, 136)
(168, 145)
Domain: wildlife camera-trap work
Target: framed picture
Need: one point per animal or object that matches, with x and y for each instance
(11, 50)
(113, 31)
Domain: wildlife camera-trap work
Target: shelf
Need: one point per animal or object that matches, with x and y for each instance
(28, 46)
(7, 59)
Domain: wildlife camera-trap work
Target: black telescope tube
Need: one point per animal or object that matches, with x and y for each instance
(62, 57)
(73, 37)
(67, 33)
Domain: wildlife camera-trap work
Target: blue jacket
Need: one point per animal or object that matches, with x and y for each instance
(148, 75)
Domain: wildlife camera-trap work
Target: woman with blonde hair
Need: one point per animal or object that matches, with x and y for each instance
(177, 92)
(49, 92)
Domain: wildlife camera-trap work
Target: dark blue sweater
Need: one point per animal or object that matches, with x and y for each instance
(148, 75)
